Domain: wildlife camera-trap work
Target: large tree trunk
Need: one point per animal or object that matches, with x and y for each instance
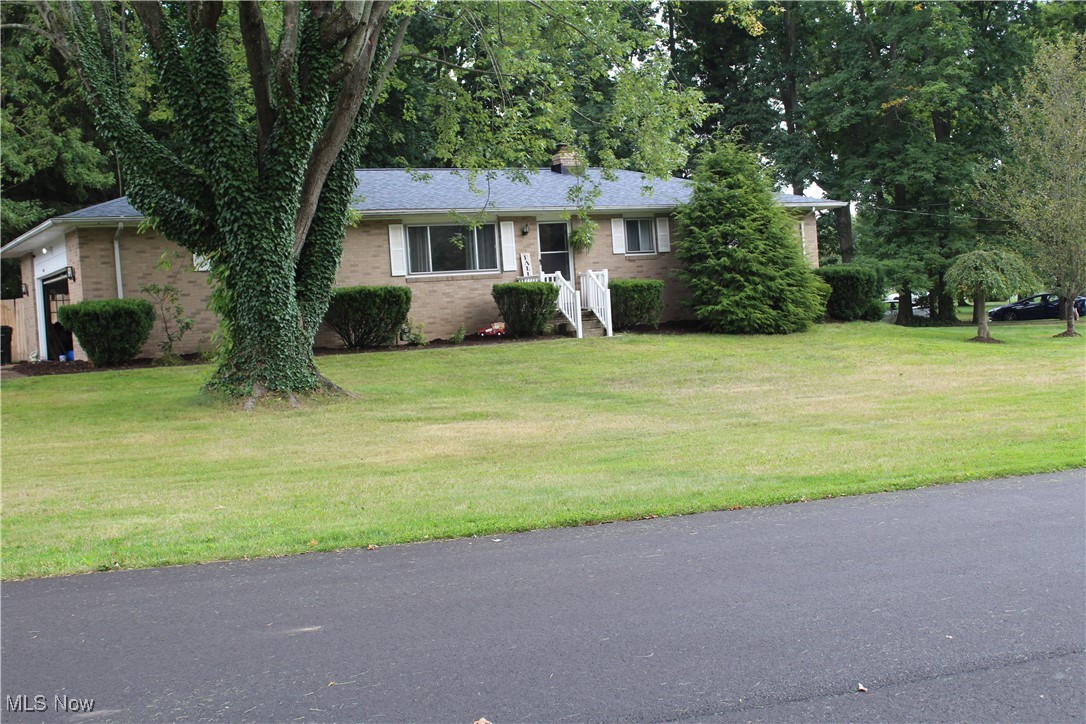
(904, 305)
(842, 220)
(942, 303)
(268, 345)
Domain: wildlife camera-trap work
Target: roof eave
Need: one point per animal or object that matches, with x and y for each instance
(58, 225)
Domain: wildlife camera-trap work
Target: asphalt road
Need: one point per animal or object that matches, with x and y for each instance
(964, 602)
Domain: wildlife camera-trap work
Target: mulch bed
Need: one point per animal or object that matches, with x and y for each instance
(38, 369)
(49, 367)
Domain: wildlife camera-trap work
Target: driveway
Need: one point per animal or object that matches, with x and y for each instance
(963, 602)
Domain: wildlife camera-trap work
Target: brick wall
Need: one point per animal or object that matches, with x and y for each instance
(809, 236)
(659, 265)
(97, 279)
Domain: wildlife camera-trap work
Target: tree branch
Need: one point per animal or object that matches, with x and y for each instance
(254, 36)
(32, 28)
(209, 13)
(393, 56)
(150, 15)
(347, 17)
(353, 91)
(288, 47)
(447, 64)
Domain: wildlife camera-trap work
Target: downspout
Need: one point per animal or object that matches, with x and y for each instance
(117, 259)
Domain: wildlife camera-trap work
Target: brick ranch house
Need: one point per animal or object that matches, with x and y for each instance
(405, 237)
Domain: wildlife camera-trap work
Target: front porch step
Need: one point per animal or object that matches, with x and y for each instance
(591, 326)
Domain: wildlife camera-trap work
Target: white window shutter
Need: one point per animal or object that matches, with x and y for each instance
(509, 246)
(618, 236)
(396, 250)
(663, 233)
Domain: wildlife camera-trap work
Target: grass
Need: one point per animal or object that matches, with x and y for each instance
(137, 468)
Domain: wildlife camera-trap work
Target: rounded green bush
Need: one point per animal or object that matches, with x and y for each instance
(855, 292)
(526, 307)
(111, 331)
(636, 301)
(368, 316)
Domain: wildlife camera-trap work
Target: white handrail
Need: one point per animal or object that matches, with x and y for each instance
(597, 297)
(569, 302)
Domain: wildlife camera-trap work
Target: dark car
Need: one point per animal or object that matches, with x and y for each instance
(1039, 306)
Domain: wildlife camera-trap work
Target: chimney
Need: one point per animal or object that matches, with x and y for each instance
(564, 160)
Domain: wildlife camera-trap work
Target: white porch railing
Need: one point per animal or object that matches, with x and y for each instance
(596, 296)
(569, 302)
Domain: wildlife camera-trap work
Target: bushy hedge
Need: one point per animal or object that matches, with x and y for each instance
(636, 301)
(856, 292)
(526, 307)
(111, 331)
(368, 316)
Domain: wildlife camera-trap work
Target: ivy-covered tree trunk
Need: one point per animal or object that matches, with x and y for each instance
(267, 201)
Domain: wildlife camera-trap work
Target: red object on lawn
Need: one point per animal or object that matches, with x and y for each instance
(495, 330)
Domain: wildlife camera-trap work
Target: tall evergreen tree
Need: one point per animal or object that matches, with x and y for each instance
(742, 263)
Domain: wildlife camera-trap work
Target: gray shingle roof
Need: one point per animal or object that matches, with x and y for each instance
(394, 190)
(115, 209)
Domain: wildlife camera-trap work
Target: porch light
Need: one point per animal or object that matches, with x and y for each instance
(524, 230)
(26, 291)
(71, 273)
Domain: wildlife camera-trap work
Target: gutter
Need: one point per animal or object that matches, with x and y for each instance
(117, 259)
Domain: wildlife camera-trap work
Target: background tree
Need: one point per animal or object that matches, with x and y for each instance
(265, 194)
(988, 273)
(899, 115)
(1040, 184)
(50, 162)
(742, 262)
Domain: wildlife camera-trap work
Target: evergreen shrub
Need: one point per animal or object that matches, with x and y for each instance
(636, 301)
(111, 331)
(742, 261)
(855, 292)
(526, 307)
(368, 316)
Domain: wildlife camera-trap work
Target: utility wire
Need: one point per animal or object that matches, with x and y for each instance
(941, 216)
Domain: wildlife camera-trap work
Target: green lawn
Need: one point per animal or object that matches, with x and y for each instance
(137, 468)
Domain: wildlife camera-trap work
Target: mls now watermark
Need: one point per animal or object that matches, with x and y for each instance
(40, 702)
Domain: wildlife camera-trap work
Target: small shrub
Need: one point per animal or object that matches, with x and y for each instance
(526, 307)
(368, 316)
(636, 301)
(412, 333)
(174, 322)
(855, 294)
(458, 338)
(111, 331)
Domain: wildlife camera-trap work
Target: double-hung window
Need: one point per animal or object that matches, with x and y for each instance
(448, 248)
(639, 236)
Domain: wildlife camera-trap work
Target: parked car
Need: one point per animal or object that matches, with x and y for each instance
(1039, 306)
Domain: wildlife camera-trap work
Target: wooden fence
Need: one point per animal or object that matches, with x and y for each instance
(13, 314)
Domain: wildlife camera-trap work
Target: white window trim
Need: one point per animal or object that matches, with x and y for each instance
(430, 250)
(652, 235)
